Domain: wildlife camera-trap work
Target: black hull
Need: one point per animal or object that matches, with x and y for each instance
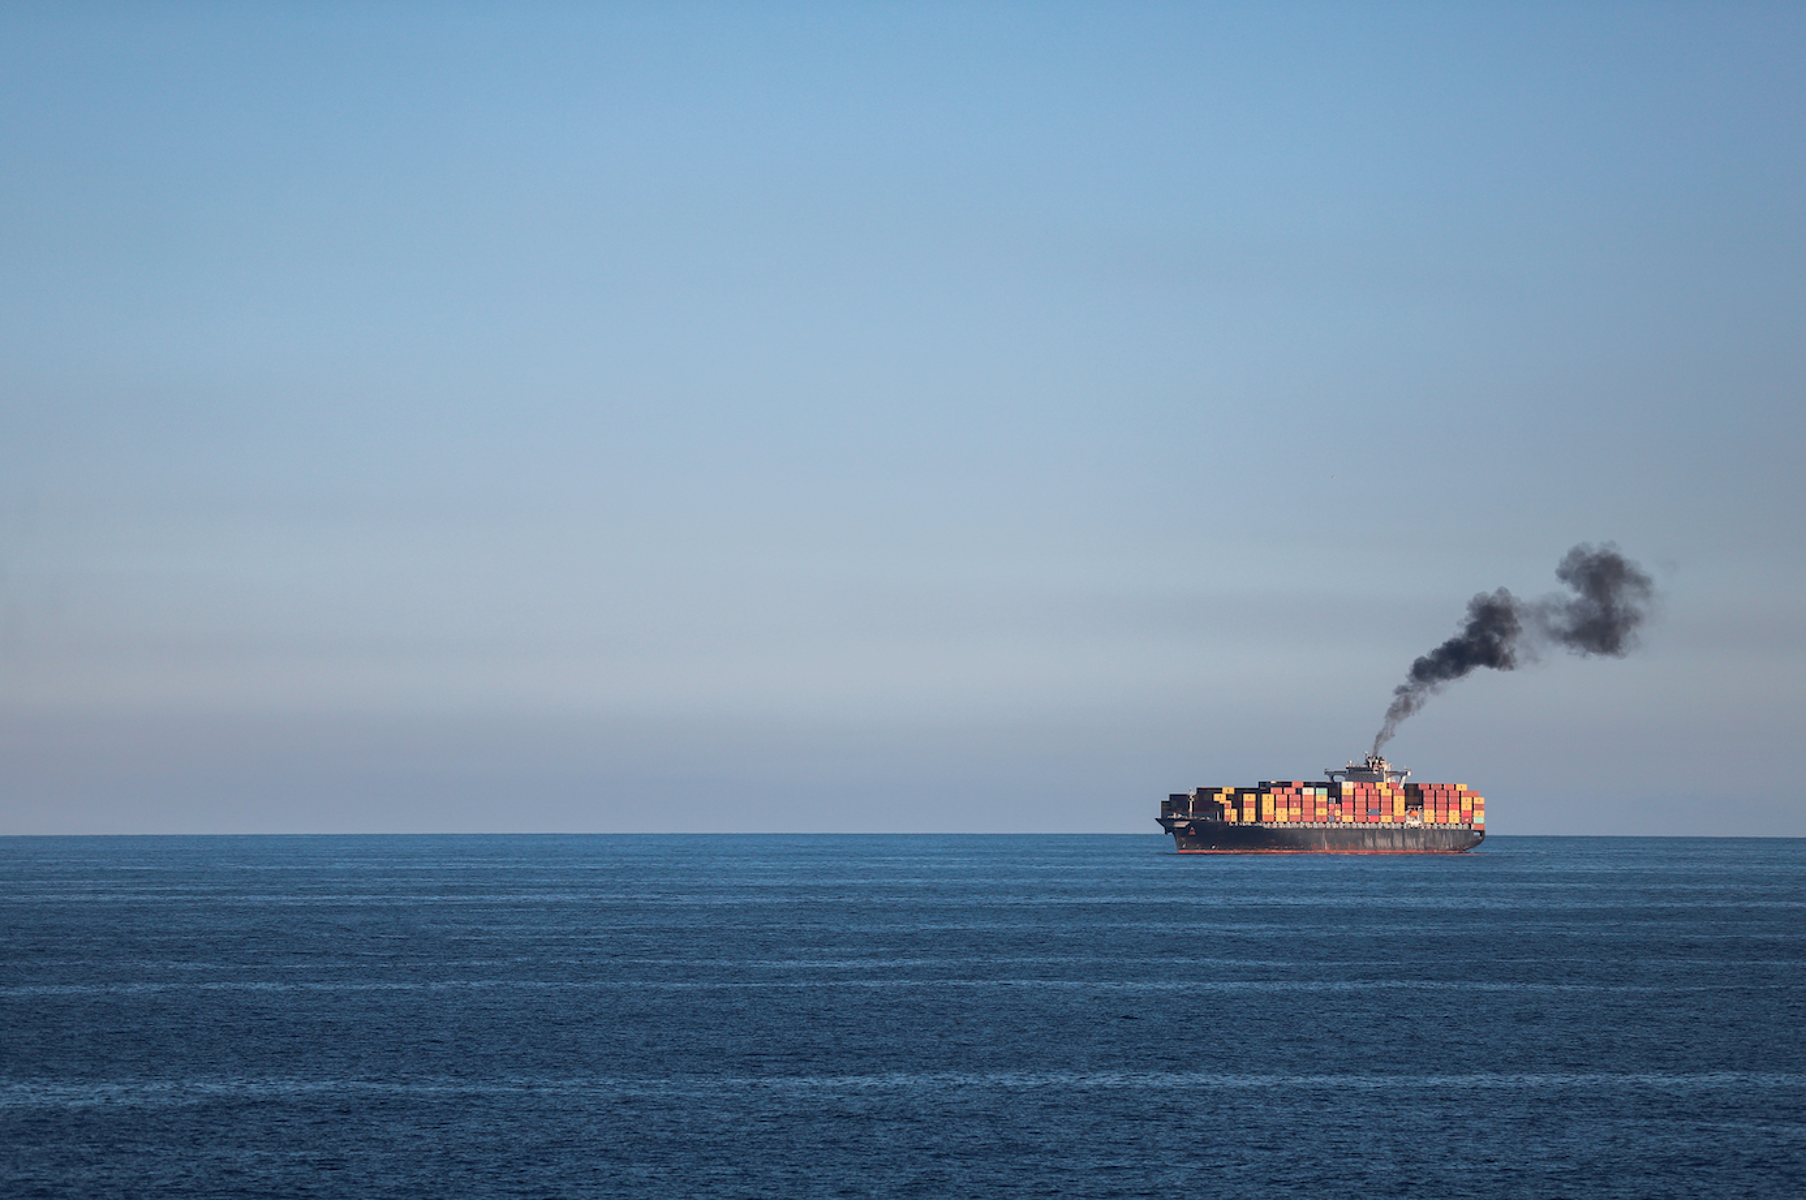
(1234, 837)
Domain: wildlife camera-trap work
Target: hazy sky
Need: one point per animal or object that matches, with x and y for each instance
(866, 417)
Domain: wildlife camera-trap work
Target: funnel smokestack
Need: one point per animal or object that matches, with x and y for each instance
(1612, 596)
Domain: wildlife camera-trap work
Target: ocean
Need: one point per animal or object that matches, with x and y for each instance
(852, 1016)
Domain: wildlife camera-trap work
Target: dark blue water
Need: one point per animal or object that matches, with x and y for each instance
(898, 1016)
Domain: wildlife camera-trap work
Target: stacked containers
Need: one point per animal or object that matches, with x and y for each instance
(1211, 802)
(1205, 802)
(1294, 801)
(1451, 804)
(1371, 801)
(1291, 801)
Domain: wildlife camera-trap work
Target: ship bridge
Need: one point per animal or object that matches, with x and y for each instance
(1374, 770)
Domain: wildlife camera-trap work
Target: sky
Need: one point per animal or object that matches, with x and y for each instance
(915, 417)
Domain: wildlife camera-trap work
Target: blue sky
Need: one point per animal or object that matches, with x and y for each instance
(886, 417)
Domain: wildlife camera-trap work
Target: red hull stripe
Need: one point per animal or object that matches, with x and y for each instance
(1322, 852)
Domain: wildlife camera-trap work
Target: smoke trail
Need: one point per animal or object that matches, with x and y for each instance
(1612, 596)
(1613, 599)
(1489, 640)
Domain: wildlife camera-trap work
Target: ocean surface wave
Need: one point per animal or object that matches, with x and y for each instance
(910, 1016)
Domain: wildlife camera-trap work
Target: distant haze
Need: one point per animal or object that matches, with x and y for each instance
(889, 418)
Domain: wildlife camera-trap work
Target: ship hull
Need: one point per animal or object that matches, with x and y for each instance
(1224, 837)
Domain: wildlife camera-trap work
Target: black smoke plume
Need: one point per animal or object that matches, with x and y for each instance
(1611, 597)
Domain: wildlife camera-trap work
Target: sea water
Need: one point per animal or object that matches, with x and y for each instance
(723, 1016)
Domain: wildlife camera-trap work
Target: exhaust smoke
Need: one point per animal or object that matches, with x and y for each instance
(1611, 598)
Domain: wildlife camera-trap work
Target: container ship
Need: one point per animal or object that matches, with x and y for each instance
(1357, 809)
